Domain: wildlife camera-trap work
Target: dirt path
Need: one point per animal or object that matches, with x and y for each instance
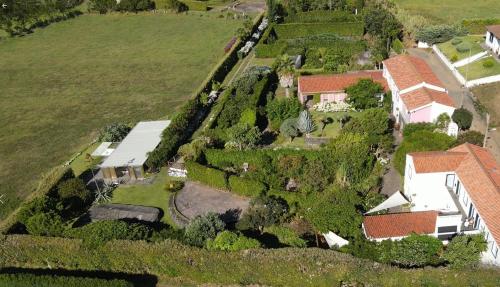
(391, 181)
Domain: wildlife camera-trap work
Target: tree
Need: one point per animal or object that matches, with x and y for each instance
(465, 250)
(272, 10)
(438, 33)
(305, 123)
(45, 224)
(442, 122)
(202, 228)
(284, 67)
(463, 118)
(472, 137)
(374, 123)
(244, 136)
(336, 211)
(416, 251)
(325, 121)
(362, 95)
(263, 211)
(289, 128)
(74, 193)
(102, 6)
(280, 109)
(115, 132)
(44, 204)
(230, 241)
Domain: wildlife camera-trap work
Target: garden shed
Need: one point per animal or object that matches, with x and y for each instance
(128, 159)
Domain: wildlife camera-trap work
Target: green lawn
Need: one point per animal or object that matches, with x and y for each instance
(476, 69)
(450, 50)
(451, 11)
(147, 195)
(489, 96)
(61, 84)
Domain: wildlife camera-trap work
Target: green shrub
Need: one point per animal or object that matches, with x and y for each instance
(439, 33)
(456, 41)
(263, 211)
(488, 63)
(472, 137)
(45, 224)
(465, 250)
(286, 236)
(209, 176)
(454, 58)
(44, 204)
(415, 251)
(297, 30)
(463, 118)
(196, 5)
(411, 128)
(202, 228)
(174, 185)
(74, 193)
(249, 117)
(321, 16)
(246, 187)
(463, 47)
(230, 241)
(280, 109)
(397, 46)
(27, 280)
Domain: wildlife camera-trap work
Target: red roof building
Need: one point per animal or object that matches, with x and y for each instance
(396, 225)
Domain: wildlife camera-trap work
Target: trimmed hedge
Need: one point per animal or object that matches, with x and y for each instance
(170, 259)
(47, 186)
(478, 26)
(321, 16)
(26, 280)
(246, 187)
(297, 30)
(209, 176)
(196, 5)
(270, 50)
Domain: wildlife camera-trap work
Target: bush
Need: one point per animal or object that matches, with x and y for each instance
(44, 204)
(465, 250)
(102, 6)
(263, 211)
(74, 193)
(439, 33)
(114, 132)
(209, 176)
(202, 228)
(280, 109)
(410, 129)
(286, 236)
(26, 280)
(95, 234)
(488, 63)
(173, 5)
(230, 241)
(415, 251)
(246, 187)
(45, 224)
(398, 46)
(456, 41)
(135, 5)
(463, 47)
(463, 118)
(361, 95)
(196, 5)
(454, 58)
(249, 117)
(174, 185)
(472, 137)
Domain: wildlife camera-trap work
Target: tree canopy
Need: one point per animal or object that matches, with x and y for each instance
(362, 95)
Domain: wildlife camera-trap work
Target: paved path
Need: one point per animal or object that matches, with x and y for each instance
(460, 95)
(197, 199)
(391, 181)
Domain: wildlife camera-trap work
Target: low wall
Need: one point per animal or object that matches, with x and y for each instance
(459, 77)
(470, 59)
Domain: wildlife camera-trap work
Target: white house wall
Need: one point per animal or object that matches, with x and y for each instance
(495, 45)
(438, 109)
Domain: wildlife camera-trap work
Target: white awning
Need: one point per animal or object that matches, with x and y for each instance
(334, 240)
(397, 199)
(102, 149)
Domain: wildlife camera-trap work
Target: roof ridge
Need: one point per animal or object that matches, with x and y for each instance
(481, 165)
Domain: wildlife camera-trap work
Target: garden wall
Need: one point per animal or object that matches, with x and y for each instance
(170, 259)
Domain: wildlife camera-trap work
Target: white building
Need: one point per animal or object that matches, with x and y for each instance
(452, 192)
(417, 94)
(493, 38)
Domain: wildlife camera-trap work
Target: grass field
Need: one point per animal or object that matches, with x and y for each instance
(451, 11)
(61, 84)
(450, 50)
(489, 96)
(476, 70)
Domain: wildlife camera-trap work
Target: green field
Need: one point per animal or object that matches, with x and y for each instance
(451, 11)
(476, 70)
(61, 84)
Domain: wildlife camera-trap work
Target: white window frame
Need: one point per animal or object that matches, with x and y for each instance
(494, 249)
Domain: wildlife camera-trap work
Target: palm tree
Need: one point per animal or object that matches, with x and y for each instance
(285, 69)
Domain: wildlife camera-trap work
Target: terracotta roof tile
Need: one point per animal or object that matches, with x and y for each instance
(480, 175)
(400, 224)
(426, 162)
(408, 71)
(337, 83)
(424, 96)
(494, 29)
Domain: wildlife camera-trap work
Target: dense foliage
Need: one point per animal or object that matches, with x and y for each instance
(105, 6)
(230, 241)
(202, 228)
(439, 33)
(263, 211)
(286, 236)
(413, 251)
(115, 132)
(362, 95)
(246, 187)
(472, 137)
(26, 280)
(463, 118)
(280, 109)
(321, 16)
(464, 251)
(209, 176)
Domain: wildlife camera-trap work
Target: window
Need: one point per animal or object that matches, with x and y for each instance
(410, 172)
(465, 199)
(494, 249)
(491, 37)
(447, 229)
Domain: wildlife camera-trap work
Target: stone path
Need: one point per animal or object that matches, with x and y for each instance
(391, 181)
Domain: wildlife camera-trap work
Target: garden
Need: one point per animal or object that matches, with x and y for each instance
(480, 69)
(460, 48)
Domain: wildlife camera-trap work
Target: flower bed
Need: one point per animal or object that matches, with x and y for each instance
(330, 107)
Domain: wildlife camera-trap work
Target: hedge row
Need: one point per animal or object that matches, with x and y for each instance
(26, 280)
(478, 26)
(209, 176)
(196, 5)
(46, 186)
(188, 119)
(170, 259)
(323, 16)
(245, 186)
(297, 30)
(270, 50)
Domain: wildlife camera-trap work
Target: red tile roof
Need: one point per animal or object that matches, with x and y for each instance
(436, 161)
(494, 29)
(337, 83)
(408, 71)
(424, 96)
(479, 173)
(400, 224)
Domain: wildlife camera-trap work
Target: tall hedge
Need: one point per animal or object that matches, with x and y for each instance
(246, 187)
(296, 30)
(26, 280)
(321, 16)
(170, 259)
(209, 176)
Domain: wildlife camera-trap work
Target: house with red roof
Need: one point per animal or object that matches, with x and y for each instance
(331, 88)
(417, 94)
(493, 38)
(451, 192)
